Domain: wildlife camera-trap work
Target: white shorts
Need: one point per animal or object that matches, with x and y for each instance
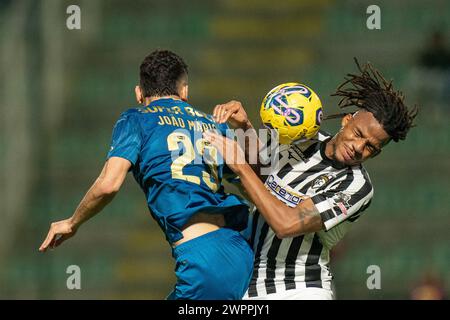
(297, 294)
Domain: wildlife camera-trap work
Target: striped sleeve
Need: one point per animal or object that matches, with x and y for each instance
(340, 201)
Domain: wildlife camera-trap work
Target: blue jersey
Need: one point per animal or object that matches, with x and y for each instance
(176, 168)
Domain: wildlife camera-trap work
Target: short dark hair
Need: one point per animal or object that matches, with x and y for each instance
(160, 73)
(372, 92)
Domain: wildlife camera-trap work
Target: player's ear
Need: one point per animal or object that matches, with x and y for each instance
(183, 88)
(184, 92)
(139, 95)
(346, 119)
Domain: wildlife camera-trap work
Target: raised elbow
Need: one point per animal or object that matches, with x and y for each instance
(284, 233)
(108, 189)
(291, 226)
(281, 234)
(285, 225)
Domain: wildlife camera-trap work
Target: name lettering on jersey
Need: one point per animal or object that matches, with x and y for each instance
(175, 110)
(197, 126)
(283, 193)
(171, 121)
(154, 109)
(200, 126)
(195, 113)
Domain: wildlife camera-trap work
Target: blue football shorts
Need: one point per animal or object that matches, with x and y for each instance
(215, 266)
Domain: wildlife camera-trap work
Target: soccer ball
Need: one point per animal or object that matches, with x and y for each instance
(294, 110)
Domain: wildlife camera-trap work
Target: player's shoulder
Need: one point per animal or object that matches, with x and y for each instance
(359, 172)
(133, 114)
(130, 117)
(132, 111)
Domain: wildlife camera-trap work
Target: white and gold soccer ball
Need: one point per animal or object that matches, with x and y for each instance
(294, 110)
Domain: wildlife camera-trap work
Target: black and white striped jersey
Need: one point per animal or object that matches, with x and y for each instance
(339, 193)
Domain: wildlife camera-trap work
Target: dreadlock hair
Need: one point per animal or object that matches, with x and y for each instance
(372, 92)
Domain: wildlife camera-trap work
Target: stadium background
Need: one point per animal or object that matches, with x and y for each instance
(62, 90)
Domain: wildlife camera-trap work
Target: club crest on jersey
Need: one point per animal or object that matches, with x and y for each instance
(321, 181)
(341, 203)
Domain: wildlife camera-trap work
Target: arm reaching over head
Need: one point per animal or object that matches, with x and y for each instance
(235, 114)
(98, 196)
(284, 220)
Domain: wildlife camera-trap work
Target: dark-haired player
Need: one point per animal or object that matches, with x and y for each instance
(162, 144)
(292, 239)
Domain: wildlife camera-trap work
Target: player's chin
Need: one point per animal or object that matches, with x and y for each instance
(342, 158)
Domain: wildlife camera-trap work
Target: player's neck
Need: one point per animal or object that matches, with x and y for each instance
(329, 148)
(149, 100)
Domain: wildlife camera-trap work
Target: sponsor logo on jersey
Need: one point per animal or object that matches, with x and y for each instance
(283, 193)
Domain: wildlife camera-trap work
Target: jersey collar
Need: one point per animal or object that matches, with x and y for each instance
(335, 164)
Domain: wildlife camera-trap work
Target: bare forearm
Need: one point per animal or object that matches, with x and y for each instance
(275, 212)
(92, 203)
(251, 149)
(284, 220)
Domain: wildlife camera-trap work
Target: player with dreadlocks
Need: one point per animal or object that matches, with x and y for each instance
(316, 193)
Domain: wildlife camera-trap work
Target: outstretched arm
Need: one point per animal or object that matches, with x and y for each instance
(98, 196)
(284, 220)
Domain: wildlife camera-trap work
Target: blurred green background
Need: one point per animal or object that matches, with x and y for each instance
(62, 90)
